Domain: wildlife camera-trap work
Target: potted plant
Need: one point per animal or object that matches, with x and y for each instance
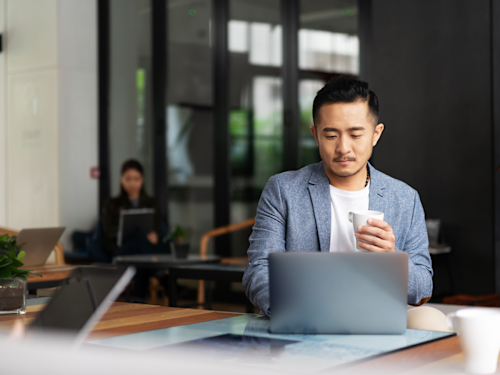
(12, 277)
(178, 243)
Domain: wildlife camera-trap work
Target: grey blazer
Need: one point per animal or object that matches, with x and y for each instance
(294, 214)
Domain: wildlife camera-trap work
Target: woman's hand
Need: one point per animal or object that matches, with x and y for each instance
(153, 238)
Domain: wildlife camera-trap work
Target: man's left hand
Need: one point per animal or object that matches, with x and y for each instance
(379, 236)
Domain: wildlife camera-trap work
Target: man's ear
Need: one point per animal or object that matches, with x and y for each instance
(313, 132)
(377, 134)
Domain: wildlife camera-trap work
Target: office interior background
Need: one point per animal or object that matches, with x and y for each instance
(215, 96)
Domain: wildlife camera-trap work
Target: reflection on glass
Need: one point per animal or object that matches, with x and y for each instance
(130, 128)
(327, 51)
(189, 118)
(328, 45)
(262, 41)
(307, 91)
(256, 119)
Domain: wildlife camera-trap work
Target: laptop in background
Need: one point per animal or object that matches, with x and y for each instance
(134, 223)
(39, 243)
(77, 307)
(338, 293)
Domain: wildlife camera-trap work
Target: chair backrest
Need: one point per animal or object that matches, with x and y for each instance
(58, 249)
(222, 230)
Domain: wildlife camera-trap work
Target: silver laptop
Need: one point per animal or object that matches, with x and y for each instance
(338, 293)
(39, 243)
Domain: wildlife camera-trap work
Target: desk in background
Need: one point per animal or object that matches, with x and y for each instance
(207, 272)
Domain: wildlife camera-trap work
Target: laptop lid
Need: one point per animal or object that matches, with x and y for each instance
(338, 293)
(134, 223)
(77, 307)
(39, 243)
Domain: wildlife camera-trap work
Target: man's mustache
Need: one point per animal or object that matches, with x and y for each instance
(344, 159)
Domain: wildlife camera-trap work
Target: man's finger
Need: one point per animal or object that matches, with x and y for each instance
(374, 231)
(370, 247)
(379, 223)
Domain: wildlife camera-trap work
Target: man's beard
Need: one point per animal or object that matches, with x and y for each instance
(346, 174)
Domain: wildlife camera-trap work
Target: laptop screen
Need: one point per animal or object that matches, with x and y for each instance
(79, 304)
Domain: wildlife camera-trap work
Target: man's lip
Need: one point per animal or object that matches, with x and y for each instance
(345, 161)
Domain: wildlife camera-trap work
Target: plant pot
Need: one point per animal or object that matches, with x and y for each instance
(180, 250)
(12, 296)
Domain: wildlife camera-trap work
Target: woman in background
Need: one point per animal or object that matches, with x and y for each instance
(132, 195)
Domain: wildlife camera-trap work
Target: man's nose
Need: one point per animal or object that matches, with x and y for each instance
(343, 146)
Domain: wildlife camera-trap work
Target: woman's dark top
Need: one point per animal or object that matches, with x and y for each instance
(111, 218)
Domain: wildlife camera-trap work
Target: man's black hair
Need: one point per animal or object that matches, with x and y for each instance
(345, 89)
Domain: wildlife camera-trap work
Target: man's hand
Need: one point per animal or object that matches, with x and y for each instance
(153, 238)
(379, 236)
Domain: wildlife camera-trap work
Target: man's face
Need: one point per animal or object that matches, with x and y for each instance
(345, 134)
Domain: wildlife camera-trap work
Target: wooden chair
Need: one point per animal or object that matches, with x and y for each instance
(203, 250)
(58, 249)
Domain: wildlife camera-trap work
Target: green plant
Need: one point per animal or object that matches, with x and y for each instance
(178, 235)
(9, 261)
(9, 243)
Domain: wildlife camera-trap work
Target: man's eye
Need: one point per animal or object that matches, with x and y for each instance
(356, 135)
(330, 136)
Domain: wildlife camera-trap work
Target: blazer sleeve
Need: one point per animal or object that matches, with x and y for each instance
(419, 263)
(268, 236)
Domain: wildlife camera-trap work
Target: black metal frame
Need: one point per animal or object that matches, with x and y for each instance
(290, 10)
(222, 172)
(365, 38)
(103, 98)
(159, 102)
(495, 122)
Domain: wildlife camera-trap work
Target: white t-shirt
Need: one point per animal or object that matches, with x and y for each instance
(342, 232)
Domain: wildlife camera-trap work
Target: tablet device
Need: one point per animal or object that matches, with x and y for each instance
(39, 243)
(338, 293)
(134, 223)
(80, 304)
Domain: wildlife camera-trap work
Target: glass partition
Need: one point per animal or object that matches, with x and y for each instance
(189, 118)
(256, 115)
(328, 45)
(130, 128)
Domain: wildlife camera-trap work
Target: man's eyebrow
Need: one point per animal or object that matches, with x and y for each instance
(354, 128)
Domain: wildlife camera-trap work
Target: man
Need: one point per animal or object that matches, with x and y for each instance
(307, 210)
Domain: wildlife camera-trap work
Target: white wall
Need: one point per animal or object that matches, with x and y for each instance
(78, 136)
(32, 121)
(48, 130)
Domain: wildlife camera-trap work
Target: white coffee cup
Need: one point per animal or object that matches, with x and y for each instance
(478, 330)
(358, 218)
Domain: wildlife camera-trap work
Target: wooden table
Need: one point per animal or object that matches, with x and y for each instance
(124, 318)
(52, 275)
(443, 356)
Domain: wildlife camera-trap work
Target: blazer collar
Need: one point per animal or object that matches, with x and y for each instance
(377, 196)
(319, 190)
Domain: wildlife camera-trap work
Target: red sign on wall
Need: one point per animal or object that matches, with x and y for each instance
(95, 173)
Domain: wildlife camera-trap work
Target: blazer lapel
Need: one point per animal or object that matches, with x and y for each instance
(320, 196)
(377, 199)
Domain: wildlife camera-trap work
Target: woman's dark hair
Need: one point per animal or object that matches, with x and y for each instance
(131, 164)
(345, 89)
